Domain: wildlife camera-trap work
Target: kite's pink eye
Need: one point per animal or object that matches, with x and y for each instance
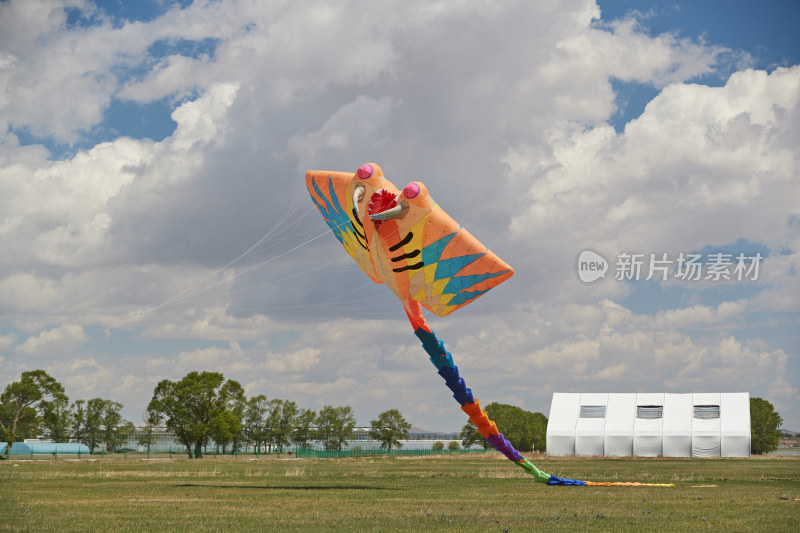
(411, 190)
(365, 171)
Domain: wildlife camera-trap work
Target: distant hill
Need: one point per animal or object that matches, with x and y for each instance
(420, 433)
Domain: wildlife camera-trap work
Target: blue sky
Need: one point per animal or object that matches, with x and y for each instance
(766, 31)
(147, 146)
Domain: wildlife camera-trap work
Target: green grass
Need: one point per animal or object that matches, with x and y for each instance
(481, 492)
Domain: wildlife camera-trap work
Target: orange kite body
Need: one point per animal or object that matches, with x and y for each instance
(421, 253)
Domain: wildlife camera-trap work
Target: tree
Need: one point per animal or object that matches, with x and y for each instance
(100, 423)
(57, 420)
(93, 431)
(523, 429)
(389, 428)
(23, 404)
(335, 425)
(764, 426)
(146, 437)
(114, 430)
(236, 406)
(224, 427)
(78, 421)
(285, 415)
(303, 431)
(193, 407)
(453, 446)
(469, 436)
(279, 423)
(271, 423)
(225, 424)
(255, 415)
(124, 432)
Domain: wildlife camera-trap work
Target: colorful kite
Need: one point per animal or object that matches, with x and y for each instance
(405, 240)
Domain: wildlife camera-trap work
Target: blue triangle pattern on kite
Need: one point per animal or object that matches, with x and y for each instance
(459, 283)
(332, 211)
(432, 252)
(447, 268)
(465, 296)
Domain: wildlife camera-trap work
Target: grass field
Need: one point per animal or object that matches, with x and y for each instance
(480, 492)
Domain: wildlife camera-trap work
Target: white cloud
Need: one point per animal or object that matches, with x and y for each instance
(7, 341)
(502, 110)
(170, 76)
(701, 315)
(631, 55)
(297, 361)
(84, 378)
(692, 171)
(359, 127)
(68, 332)
(212, 357)
(58, 213)
(200, 121)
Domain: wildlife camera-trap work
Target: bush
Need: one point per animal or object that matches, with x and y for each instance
(453, 446)
(764, 424)
(438, 445)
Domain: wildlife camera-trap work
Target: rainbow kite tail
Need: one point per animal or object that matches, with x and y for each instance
(443, 361)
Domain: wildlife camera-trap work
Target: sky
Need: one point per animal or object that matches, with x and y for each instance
(635, 162)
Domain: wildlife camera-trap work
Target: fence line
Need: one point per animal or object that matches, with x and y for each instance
(213, 451)
(367, 452)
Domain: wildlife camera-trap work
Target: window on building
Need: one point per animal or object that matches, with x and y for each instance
(649, 412)
(593, 411)
(706, 412)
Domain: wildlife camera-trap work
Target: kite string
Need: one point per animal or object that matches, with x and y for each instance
(193, 289)
(270, 283)
(190, 292)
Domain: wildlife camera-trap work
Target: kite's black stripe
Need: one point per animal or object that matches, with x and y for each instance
(416, 266)
(355, 216)
(415, 253)
(359, 237)
(357, 232)
(405, 241)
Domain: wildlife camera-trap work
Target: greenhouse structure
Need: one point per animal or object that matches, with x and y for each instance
(45, 448)
(650, 424)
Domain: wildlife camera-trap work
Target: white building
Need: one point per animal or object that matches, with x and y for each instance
(650, 425)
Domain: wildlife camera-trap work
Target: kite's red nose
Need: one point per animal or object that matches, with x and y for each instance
(381, 200)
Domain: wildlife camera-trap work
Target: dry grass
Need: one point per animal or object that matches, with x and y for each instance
(458, 493)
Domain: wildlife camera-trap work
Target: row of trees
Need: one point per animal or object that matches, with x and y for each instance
(203, 407)
(36, 406)
(200, 408)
